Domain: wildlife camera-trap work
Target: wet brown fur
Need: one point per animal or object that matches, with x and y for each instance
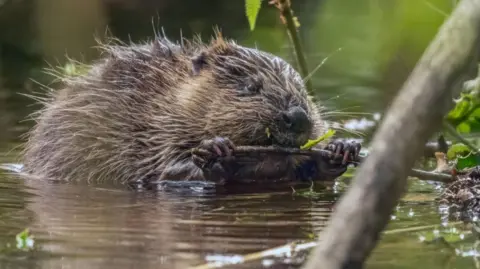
(140, 110)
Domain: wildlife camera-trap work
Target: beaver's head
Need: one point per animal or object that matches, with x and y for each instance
(256, 98)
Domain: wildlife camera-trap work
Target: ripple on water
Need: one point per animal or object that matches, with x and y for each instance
(108, 226)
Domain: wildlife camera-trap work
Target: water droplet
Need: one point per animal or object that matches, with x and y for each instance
(267, 263)
(411, 213)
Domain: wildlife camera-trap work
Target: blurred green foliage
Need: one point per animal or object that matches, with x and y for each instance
(465, 116)
(465, 119)
(24, 240)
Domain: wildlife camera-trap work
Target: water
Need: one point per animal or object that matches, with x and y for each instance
(109, 226)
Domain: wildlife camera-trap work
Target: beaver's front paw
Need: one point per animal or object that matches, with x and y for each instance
(207, 153)
(344, 151)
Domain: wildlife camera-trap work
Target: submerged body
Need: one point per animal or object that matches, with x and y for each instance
(164, 111)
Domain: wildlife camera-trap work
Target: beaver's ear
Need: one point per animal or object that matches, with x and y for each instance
(217, 47)
(199, 62)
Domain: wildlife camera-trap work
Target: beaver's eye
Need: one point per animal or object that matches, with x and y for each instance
(253, 87)
(250, 88)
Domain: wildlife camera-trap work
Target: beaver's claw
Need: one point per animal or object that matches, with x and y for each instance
(207, 153)
(344, 152)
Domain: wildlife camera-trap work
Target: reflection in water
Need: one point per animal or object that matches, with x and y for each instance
(80, 226)
(108, 226)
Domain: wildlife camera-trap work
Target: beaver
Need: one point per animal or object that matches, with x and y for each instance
(164, 110)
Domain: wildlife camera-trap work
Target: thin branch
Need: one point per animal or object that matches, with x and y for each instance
(287, 14)
(252, 150)
(320, 153)
(432, 176)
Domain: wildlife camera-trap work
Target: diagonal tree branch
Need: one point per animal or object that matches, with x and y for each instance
(417, 111)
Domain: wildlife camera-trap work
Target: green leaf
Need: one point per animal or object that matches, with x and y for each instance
(465, 116)
(456, 150)
(475, 114)
(252, 7)
(461, 109)
(311, 143)
(464, 128)
(473, 122)
(469, 161)
(24, 240)
(474, 126)
(463, 155)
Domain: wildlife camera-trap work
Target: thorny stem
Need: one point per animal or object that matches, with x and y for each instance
(287, 16)
(451, 130)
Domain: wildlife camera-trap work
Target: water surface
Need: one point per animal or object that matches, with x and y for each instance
(110, 226)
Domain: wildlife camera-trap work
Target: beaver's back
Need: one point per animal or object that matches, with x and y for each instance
(100, 122)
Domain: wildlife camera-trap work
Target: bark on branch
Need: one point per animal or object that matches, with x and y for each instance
(258, 150)
(417, 111)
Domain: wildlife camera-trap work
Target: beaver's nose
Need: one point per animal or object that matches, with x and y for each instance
(296, 119)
